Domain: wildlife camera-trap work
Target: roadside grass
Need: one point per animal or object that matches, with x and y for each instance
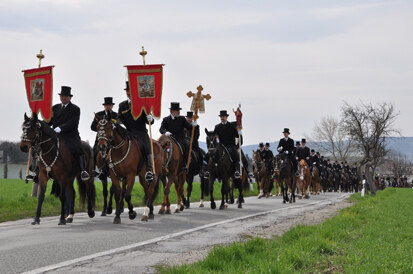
(16, 201)
(375, 235)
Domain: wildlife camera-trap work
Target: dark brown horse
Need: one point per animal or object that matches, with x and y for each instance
(55, 162)
(284, 172)
(172, 173)
(125, 161)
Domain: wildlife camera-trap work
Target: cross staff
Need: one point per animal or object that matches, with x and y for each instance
(197, 105)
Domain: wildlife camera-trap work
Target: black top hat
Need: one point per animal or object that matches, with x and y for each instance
(312, 150)
(286, 130)
(297, 143)
(127, 85)
(223, 113)
(267, 144)
(66, 91)
(175, 106)
(322, 156)
(189, 114)
(108, 101)
(303, 140)
(318, 153)
(261, 144)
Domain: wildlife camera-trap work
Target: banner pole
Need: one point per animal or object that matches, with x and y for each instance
(190, 148)
(29, 161)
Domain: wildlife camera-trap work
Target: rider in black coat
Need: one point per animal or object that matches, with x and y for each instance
(174, 125)
(303, 153)
(138, 129)
(226, 133)
(65, 122)
(286, 145)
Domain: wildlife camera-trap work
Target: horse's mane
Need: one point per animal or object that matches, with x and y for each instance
(46, 129)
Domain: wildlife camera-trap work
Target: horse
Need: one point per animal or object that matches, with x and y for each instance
(220, 166)
(55, 162)
(125, 161)
(284, 173)
(324, 178)
(172, 173)
(197, 166)
(345, 178)
(304, 179)
(315, 180)
(262, 175)
(335, 180)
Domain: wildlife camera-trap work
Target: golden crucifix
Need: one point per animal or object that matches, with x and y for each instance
(197, 104)
(40, 56)
(143, 53)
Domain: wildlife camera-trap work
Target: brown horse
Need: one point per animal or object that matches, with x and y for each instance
(55, 162)
(126, 161)
(283, 172)
(261, 174)
(172, 173)
(304, 180)
(315, 181)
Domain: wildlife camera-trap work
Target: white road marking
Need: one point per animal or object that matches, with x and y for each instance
(166, 237)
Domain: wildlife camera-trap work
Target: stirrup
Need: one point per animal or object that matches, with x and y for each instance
(29, 177)
(206, 175)
(237, 175)
(84, 175)
(149, 176)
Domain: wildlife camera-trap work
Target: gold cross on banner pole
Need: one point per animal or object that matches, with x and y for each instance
(197, 105)
(143, 53)
(40, 56)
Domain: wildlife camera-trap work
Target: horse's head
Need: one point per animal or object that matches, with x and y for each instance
(104, 131)
(256, 157)
(303, 163)
(31, 132)
(211, 140)
(281, 162)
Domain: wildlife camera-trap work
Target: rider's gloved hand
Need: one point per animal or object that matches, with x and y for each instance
(58, 130)
(149, 117)
(168, 133)
(194, 123)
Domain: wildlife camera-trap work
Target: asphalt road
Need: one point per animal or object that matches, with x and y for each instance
(49, 247)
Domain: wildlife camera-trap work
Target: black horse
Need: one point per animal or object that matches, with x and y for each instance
(220, 166)
(196, 167)
(55, 162)
(284, 171)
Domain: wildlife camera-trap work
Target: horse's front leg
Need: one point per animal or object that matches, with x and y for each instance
(105, 196)
(187, 201)
(63, 191)
(117, 194)
(111, 193)
(130, 181)
(224, 192)
(211, 191)
(72, 195)
(240, 195)
(43, 185)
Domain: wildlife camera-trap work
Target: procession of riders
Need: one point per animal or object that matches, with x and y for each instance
(123, 149)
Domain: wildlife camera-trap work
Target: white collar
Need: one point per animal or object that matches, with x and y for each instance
(224, 123)
(65, 105)
(173, 118)
(286, 138)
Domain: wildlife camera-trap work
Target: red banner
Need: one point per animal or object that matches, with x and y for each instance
(39, 89)
(145, 83)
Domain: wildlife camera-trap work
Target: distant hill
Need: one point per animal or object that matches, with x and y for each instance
(403, 145)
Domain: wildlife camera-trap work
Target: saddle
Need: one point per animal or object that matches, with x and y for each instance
(178, 144)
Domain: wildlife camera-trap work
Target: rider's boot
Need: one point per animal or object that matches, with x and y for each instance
(149, 169)
(84, 175)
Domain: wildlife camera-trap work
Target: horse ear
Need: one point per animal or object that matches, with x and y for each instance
(206, 131)
(96, 117)
(25, 117)
(35, 116)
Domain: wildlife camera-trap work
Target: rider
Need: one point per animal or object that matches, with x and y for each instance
(269, 157)
(138, 129)
(314, 160)
(188, 134)
(174, 125)
(65, 122)
(303, 153)
(297, 146)
(108, 106)
(286, 145)
(226, 134)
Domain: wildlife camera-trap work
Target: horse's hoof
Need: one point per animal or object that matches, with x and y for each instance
(69, 220)
(91, 214)
(201, 205)
(284, 202)
(103, 213)
(151, 216)
(213, 205)
(239, 205)
(231, 201)
(132, 215)
(36, 222)
(177, 210)
(109, 210)
(116, 220)
(62, 222)
(187, 205)
(144, 218)
(161, 211)
(168, 212)
(221, 207)
(182, 208)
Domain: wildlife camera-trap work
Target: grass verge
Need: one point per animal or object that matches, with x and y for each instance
(16, 201)
(373, 236)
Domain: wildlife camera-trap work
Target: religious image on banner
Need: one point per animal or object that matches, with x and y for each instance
(39, 88)
(145, 82)
(146, 86)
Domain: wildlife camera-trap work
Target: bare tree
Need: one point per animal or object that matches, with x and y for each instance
(398, 164)
(331, 139)
(369, 125)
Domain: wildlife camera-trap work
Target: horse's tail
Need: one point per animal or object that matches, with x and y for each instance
(87, 188)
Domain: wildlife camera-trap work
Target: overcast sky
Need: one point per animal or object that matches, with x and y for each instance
(289, 63)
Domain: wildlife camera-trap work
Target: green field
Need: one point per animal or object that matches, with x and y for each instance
(373, 236)
(16, 201)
